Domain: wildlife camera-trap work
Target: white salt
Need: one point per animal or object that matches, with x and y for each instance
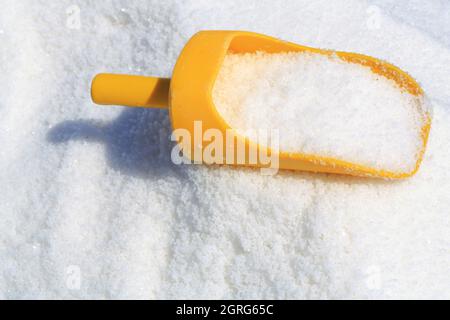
(322, 105)
(92, 207)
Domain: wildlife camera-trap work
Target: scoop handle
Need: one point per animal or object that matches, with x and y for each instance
(129, 90)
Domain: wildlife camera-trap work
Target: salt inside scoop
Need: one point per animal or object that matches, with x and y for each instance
(322, 105)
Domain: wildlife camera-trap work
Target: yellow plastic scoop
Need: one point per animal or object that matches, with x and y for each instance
(188, 95)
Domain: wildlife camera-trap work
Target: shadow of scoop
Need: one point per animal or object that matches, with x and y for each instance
(137, 142)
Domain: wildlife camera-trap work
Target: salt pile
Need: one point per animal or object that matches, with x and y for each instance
(92, 207)
(322, 105)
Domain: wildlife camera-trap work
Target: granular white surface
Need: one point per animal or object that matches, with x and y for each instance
(322, 105)
(92, 207)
